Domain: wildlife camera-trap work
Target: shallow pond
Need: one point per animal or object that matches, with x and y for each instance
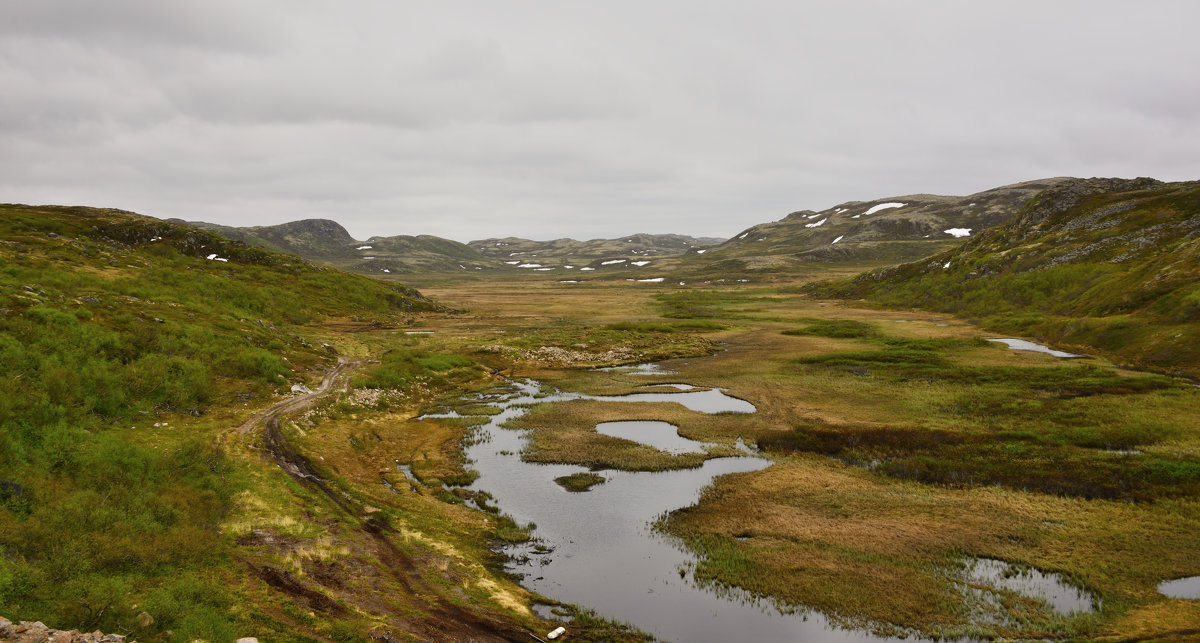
(1060, 594)
(663, 436)
(1022, 345)
(637, 369)
(1181, 587)
(713, 400)
(603, 552)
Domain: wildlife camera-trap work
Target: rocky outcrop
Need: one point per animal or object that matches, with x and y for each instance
(37, 632)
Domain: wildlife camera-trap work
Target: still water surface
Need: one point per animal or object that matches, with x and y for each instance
(606, 554)
(599, 549)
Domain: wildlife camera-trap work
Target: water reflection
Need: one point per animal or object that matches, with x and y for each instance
(1060, 594)
(599, 549)
(663, 436)
(1181, 588)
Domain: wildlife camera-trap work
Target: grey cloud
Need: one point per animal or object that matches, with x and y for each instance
(553, 119)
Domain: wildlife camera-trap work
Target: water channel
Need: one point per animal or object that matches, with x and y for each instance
(599, 549)
(604, 553)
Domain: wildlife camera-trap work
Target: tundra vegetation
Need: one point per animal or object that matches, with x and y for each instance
(904, 444)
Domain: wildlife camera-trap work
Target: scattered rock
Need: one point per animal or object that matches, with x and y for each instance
(556, 355)
(37, 632)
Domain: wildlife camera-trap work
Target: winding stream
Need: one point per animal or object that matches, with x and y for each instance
(599, 549)
(605, 555)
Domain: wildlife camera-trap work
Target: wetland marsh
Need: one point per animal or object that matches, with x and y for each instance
(895, 451)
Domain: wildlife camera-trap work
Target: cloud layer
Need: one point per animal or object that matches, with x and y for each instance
(545, 119)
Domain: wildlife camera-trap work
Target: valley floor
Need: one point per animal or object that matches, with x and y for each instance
(905, 446)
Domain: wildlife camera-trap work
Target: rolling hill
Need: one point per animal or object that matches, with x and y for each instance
(594, 254)
(328, 242)
(879, 231)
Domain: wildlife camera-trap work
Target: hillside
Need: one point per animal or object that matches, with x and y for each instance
(889, 230)
(147, 485)
(328, 242)
(1097, 265)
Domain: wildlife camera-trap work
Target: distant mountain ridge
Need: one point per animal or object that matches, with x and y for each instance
(594, 253)
(854, 234)
(327, 241)
(899, 228)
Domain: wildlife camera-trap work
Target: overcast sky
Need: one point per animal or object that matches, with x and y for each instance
(584, 119)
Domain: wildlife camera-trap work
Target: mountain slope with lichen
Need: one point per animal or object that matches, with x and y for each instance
(888, 230)
(1098, 265)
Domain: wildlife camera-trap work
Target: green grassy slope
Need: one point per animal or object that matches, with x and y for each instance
(115, 329)
(1098, 265)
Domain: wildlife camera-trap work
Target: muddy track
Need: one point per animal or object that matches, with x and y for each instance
(453, 622)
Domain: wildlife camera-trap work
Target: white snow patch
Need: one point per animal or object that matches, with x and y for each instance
(970, 204)
(386, 270)
(813, 216)
(946, 265)
(368, 257)
(639, 264)
(543, 269)
(585, 268)
(652, 280)
(884, 206)
(958, 233)
(744, 235)
(568, 281)
(841, 210)
(363, 248)
(814, 225)
(700, 252)
(530, 265)
(609, 263)
(838, 239)
(214, 257)
(763, 239)
(512, 263)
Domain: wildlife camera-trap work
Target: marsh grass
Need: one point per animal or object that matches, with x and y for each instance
(580, 482)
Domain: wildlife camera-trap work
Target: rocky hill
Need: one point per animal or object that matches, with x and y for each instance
(1096, 265)
(885, 230)
(636, 250)
(327, 241)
